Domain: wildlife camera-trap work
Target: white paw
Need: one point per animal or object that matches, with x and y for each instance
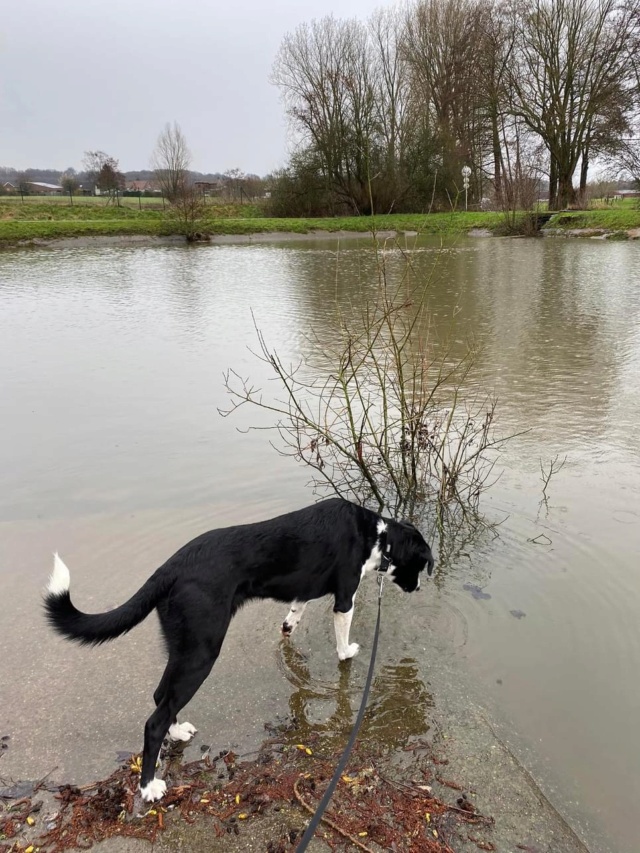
(350, 652)
(182, 731)
(155, 790)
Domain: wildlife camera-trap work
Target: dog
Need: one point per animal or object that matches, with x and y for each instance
(324, 549)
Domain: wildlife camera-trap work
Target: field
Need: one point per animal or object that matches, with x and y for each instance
(50, 218)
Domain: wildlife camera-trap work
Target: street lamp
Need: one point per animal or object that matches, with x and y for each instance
(466, 174)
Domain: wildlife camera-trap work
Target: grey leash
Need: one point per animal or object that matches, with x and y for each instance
(324, 802)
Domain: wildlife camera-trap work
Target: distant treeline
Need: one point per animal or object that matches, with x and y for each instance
(53, 176)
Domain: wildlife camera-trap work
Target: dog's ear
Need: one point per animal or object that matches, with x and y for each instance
(430, 562)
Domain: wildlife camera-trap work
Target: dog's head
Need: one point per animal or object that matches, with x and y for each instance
(408, 553)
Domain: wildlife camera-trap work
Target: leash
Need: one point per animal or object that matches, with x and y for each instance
(324, 802)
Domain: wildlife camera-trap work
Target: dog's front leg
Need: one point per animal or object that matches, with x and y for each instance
(342, 623)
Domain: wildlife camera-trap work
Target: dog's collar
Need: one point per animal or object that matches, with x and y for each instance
(385, 562)
(383, 545)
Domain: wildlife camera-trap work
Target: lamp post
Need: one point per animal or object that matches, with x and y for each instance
(466, 174)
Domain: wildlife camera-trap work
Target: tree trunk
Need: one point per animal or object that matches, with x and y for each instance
(584, 171)
(553, 184)
(497, 156)
(566, 193)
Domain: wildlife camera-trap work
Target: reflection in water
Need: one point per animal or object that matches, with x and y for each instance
(324, 713)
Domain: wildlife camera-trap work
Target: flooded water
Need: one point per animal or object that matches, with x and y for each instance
(112, 451)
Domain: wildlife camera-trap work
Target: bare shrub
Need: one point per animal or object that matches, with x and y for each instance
(382, 415)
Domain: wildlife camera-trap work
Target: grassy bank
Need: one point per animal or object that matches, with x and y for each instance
(616, 219)
(51, 220)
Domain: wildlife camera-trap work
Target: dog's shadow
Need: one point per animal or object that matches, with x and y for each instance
(324, 711)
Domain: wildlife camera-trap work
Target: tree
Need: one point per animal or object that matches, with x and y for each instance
(443, 46)
(394, 111)
(325, 74)
(23, 184)
(570, 77)
(110, 181)
(497, 35)
(69, 183)
(171, 160)
(233, 183)
(103, 172)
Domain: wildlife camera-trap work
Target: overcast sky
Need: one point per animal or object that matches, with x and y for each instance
(77, 75)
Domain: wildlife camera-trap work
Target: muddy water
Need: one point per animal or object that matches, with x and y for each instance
(113, 452)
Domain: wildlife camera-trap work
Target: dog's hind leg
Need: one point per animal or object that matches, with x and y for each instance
(185, 678)
(194, 650)
(177, 731)
(293, 617)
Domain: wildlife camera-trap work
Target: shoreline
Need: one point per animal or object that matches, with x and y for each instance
(145, 240)
(50, 225)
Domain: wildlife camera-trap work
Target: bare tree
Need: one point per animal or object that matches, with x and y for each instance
(443, 46)
(625, 163)
(570, 76)
(393, 108)
(497, 45)
(325, 74)
(234, 180)
(171, 160)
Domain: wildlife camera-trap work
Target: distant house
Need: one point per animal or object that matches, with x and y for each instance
(8, 187)
(209, 187)
(40, 188)
(142, 187)
(627, 194)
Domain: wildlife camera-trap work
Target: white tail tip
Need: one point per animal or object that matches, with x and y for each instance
(60, 578)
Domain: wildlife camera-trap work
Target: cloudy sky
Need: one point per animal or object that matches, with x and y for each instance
(108, 74)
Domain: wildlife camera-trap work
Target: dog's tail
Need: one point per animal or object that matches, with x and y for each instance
(96, 628)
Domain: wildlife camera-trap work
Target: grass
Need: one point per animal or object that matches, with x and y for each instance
(610, 219)
(16, 231)
(35, 208)
(63, 200)
(50, 219)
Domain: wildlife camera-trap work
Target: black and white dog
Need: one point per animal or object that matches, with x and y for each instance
(324, 549)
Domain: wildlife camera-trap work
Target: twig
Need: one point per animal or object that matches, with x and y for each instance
(328, 820)
(46, 776)
(546, 475)
(536, 541)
